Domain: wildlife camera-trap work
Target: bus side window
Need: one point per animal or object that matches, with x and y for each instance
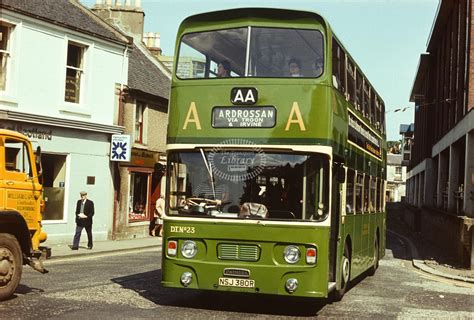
(382, 117)
(372, 196)
(366, 100)
(381, 195)
(359, 91)
(372, 107)
(350, 81)
(377, 112)
(338, 63)
(366, 193)
(359, 184)
(350, 191)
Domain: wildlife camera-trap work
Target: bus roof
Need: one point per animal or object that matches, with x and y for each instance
(292, 16)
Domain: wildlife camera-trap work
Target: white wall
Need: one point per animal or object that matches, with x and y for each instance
(36, 85)
(37, 71)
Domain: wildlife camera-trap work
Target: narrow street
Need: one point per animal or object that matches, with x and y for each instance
(126, 286)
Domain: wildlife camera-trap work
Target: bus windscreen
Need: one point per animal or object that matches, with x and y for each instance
(249, 184)
(271, 53)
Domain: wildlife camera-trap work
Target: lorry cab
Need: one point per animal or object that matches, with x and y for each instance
(21, 205)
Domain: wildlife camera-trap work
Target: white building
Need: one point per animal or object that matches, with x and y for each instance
(396, 178)
(60, 66)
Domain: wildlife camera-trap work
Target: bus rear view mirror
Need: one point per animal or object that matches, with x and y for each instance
(341, 174)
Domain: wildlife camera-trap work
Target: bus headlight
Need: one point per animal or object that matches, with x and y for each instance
(291, 285)
(186, 278)
(292, 254)
(189, 249)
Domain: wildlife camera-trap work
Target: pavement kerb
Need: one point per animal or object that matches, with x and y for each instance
(90, 253)
(420, 264)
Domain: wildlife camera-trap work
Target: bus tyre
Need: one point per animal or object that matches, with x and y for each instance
(11, 265)
(345, 274)
(376, 258)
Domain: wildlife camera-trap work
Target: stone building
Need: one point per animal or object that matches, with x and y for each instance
(143, 112)
(396, 177)
(441, 173)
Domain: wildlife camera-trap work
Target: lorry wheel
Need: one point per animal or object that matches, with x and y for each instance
(11, 265)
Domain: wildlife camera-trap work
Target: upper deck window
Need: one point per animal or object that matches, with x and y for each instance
(270, 53)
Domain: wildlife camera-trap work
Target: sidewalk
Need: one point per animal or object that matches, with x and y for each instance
(425, 255)
(64, 250)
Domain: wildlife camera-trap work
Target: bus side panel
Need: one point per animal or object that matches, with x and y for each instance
(270, 271)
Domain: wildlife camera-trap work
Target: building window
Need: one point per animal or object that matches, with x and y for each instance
(74, 72)
(139, 190)
(5, 55)
(139, 111)
(398, 170)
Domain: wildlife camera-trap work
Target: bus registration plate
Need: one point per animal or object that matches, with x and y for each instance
(240, 283)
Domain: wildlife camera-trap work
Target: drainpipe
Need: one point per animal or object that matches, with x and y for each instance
(116, 166)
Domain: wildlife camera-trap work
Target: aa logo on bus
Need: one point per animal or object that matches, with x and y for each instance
(243, 96)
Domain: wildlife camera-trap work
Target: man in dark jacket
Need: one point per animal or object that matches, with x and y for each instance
(84, 213)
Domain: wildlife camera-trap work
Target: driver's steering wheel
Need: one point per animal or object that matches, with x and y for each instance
(198, 201)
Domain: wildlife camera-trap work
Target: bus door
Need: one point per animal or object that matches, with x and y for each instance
(338, 179)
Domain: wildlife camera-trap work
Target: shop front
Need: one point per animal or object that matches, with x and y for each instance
(72, 160)
(140, 187)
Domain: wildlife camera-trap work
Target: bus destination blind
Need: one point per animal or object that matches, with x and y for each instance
(244, 117)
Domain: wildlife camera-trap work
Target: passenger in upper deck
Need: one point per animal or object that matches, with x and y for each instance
(318, 67)
(294, 66)
(223, 69)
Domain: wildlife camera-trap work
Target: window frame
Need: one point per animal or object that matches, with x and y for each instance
(147, 211)
(6, 52)
(139, 119)
(25, 167)
(77, 70)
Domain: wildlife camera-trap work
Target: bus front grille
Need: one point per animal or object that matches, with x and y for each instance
(226, 251)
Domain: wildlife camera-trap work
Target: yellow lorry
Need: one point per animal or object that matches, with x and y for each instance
(21, 205)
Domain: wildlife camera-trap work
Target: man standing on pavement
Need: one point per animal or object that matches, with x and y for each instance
(84, 213)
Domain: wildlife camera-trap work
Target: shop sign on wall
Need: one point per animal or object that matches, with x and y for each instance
(120, 149)
(31, 132)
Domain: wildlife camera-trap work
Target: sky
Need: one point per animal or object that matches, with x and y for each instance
(385, 37)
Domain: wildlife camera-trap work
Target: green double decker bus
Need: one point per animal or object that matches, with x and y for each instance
(276, 158)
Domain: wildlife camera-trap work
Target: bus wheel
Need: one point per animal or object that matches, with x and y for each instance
(345, 274)
(11, 265)
(376, 258)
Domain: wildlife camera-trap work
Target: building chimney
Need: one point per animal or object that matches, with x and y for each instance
(152, 41)
(127, 16)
